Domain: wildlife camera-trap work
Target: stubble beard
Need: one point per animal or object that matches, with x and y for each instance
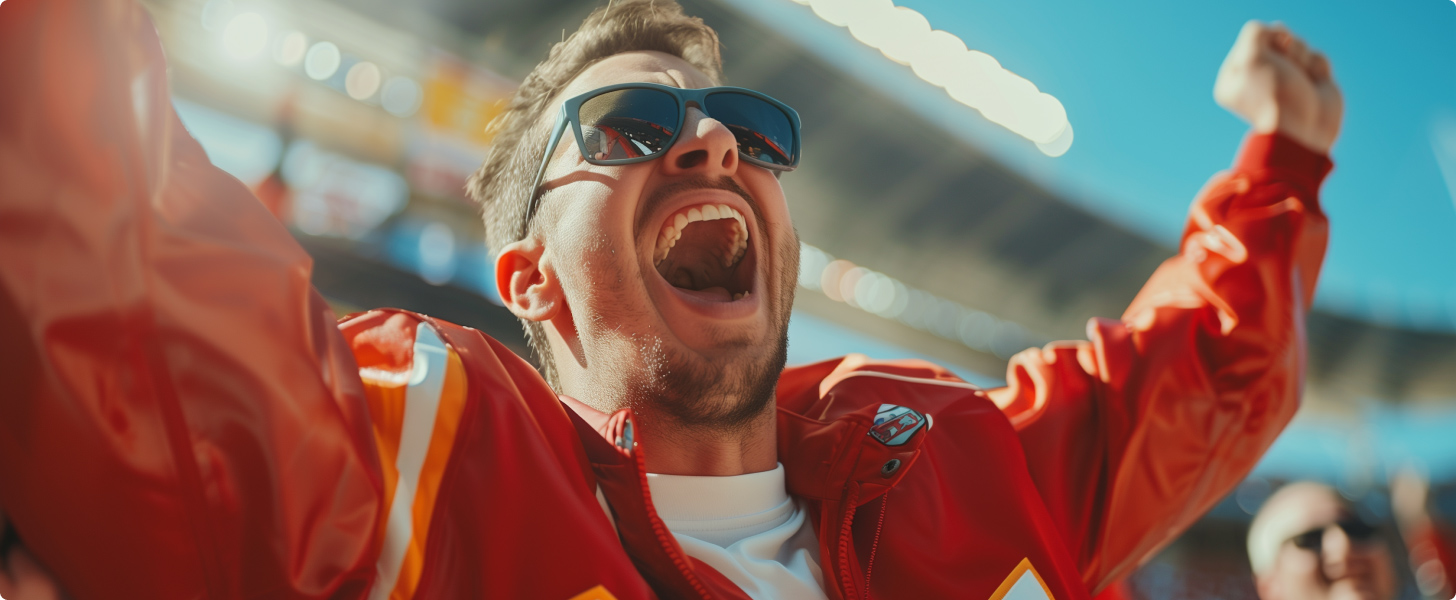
(696, 393)
(700, 393)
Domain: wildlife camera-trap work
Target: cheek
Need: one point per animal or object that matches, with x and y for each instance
(1384, 567)
(1298, 565)
(772, 201)
(599, 269)
(769, 196)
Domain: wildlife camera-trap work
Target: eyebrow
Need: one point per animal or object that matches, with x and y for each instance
(660, 78)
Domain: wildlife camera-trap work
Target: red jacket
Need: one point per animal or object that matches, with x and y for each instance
(183, 419)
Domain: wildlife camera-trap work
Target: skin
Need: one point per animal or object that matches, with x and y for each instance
(1276, 82)
(1342, 570)
(21, 577)
(620, 333)
(615, 329)
(620, 336)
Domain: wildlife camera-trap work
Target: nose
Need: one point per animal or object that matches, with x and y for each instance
(705, 147)
(1335, 552)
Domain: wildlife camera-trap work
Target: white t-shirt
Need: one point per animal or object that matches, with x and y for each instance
(747, 527)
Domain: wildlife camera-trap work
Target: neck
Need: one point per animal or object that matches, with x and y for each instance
(670, 448)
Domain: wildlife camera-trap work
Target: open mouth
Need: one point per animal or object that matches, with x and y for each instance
(703, 250)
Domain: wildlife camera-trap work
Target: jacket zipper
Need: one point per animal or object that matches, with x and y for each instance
(846, 537)
(664, 538)
(875, 545)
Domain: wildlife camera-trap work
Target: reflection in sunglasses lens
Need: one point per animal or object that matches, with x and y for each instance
(764, 132)
(624, 124)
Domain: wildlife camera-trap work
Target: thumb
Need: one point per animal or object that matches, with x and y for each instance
(28, 580)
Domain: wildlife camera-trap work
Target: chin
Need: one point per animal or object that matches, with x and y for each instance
(721, 288)
(1357, 590)
(721, 393)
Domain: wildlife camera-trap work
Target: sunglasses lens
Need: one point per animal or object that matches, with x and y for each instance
(1310, 540)
(764, 131)
(627, 124)
(1357, 530)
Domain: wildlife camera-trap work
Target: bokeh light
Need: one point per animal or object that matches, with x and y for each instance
(246, 35)
(362, 80)
(437, 253)
(321, 61)
(941, 58)
(401, 96)
(906, 31)
(879, 294)
(217, 13)
(291, 48)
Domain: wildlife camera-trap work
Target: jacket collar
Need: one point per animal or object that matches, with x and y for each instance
(820, 457)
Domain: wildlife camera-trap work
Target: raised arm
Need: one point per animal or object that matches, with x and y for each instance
(1134, 434)
(180, 417)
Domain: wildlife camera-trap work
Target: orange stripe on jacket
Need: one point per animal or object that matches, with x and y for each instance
(442, 440)
(385, 398)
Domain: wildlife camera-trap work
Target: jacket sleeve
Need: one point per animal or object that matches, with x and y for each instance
(1132, 435)
(180, 416)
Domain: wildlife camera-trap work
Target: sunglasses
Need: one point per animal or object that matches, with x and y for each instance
(1358, 531)
(635, 122)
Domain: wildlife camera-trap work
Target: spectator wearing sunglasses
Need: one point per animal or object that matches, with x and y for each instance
(185, 419)
(1308, 543)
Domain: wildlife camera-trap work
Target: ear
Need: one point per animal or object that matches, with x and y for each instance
(526, 282)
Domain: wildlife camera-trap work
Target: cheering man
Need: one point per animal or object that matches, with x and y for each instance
(184, 419)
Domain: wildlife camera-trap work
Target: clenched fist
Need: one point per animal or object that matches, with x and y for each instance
(1275, 82)
(21, 578)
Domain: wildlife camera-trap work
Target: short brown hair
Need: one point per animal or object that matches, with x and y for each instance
(519, 132)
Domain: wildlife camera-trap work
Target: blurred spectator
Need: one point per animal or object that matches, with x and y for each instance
(1431, 542)
(1308, 543)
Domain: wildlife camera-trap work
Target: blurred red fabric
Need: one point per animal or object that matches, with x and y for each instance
(181, 417)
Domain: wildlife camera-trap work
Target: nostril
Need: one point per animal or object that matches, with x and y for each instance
(728, 158)
(692, 159)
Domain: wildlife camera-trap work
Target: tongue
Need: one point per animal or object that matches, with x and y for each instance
(714, 294)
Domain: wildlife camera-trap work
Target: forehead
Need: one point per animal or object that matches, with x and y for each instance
(634, 67)
(1306, 509)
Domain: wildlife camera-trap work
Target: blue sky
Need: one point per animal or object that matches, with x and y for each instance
(1136, 78)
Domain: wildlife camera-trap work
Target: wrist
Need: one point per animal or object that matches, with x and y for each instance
(1309, 136)
(1275, 155)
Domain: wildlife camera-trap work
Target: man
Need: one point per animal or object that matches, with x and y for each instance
(1307, 543)
(174, 359)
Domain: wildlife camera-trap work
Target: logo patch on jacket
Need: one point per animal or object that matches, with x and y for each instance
(1024, 583)
(894, 425)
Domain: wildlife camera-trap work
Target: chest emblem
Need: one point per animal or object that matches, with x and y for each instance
(894, 425)
(1024, 583)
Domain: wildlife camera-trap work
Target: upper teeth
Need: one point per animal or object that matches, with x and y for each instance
(673, 226)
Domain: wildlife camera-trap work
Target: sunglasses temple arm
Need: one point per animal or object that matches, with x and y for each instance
(551, 143)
